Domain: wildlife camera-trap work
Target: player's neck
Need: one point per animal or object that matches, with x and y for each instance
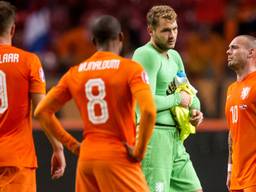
(5, 40)
(161, 51)
(241, 74)
(108, 49)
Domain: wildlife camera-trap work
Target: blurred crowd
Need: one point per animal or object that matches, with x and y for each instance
(57, 30)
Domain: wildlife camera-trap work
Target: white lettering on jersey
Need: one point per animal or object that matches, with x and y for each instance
(243, 106)
(41, 74)
(144, 77)
(99, 65)
(245, 92)
(9, 58)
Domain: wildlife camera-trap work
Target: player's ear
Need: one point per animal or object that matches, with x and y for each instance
(150, 30)
(12, 30)
(251, 53)
(94, 41)
(121, 36)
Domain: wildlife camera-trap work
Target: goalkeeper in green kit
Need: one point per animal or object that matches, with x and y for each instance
(167, 166)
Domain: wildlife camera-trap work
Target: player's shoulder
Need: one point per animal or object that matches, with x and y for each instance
(173, 52)
(253, 77)
(232, 86)
(147, 49)
(25, 58)
(129, 63)
(23, 52)
(69, 77)
(73, 69)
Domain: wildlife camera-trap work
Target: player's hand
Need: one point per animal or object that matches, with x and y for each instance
(58, 164)
(196, 117)
(131, 154)
(185, 99)
(228, 179)
(76, 150)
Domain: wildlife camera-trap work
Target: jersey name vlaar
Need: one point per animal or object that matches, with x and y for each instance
(9, 58)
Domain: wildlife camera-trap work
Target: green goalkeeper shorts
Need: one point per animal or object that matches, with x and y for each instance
(167, 165)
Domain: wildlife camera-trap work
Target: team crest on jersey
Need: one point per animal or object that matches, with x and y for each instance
(245, 92)
(243, 107)
(159, 187)
(144, 77)
(41, 74)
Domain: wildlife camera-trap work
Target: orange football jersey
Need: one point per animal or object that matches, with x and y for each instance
(102, 88)
(241, 119)
(20, 74)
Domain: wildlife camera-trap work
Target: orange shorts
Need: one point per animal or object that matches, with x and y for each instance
(109, 176)
(15, 179)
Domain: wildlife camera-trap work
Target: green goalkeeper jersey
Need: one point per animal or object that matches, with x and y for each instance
(161, 71)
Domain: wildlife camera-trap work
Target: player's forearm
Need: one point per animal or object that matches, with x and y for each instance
(147, 121)
(53, 128)
(166, 102)
(229, 148)
(195, 103)
(145, 131)
(56, 145)
(229, 168)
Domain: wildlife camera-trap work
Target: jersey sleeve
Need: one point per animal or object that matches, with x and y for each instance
(195, 104)
(151, 65)
(178, 60)
(148, 62)
(227, 106)
(138, 78)
(37, 78)
(61, 91)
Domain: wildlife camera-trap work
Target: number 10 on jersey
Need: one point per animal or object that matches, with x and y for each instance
(234, 113)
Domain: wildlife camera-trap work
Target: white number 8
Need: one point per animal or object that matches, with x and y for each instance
(3, 93)
(96, 99)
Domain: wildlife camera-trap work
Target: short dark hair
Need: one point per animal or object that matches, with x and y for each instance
(160, 11)
(7, 16)
(105, 28)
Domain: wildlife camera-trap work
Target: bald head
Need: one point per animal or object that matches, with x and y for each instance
(104, 29)
(242, 55)
(247, 40)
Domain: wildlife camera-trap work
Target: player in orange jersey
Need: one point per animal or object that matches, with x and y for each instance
(21, 81)
(241, 115)
(104, 88)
